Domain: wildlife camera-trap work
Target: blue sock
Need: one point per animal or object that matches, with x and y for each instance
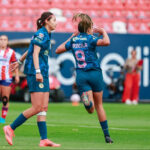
(104, 126)
(20, 120)
(42, 129)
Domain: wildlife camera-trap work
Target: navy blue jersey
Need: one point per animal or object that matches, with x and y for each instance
(42, 39)
(83, 47)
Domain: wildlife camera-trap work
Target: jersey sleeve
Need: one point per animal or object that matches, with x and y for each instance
(13, 57)
(68, 45)
(39, 39)
(94, 40)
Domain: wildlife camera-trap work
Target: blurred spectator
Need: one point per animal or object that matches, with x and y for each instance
(132, 79)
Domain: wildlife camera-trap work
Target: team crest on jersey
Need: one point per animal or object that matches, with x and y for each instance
(93, 37)
(46, 52)
(41, 35)
(41, 85)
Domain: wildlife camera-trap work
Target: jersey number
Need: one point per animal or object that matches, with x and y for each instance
(81, 58)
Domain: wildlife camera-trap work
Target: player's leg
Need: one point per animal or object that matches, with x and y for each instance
(41, 122)
(87, 99)
(97, 88)
(36, 99)
(5, 93)
(85, 90)
(101, 115)
(126, 98)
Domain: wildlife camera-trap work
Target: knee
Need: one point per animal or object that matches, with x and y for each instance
(44, 108)
(91, 111)
(5, 100)
(37, 109)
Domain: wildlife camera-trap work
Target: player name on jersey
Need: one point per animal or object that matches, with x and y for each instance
(80, 45)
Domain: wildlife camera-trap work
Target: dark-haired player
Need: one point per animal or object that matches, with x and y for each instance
(36, 69)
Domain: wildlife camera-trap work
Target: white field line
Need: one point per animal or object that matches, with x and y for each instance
(85, 126)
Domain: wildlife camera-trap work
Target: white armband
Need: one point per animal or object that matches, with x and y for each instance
(20, 62)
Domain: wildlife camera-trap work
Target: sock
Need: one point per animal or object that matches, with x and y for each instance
(20, 120)
(4, 112)
(42, 129)
(104, 126)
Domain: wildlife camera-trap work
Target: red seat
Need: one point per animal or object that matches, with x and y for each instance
(5, 24)
(143, 5)
(116, 4)
(133, 26)
(105, 4)
(93, 13)
(18, 3)
(68, 26)
(105, 14)
(141, 14)
(68, 13)
(131, 4)
(5, 4)
(57, 4)
(4, 12)
(16, 12)
(117, 14)
(104, 23)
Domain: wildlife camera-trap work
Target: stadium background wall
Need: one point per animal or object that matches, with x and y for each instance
(111, 57)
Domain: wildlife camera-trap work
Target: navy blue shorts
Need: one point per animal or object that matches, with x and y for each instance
(89, 80)
(35, 86)
(6, 82)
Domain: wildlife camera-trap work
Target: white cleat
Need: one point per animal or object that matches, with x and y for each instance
(128, 102)
(134, 102)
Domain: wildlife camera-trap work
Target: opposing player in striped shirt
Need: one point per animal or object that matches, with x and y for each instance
(7, 56)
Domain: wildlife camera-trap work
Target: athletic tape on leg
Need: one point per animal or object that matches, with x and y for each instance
(87, 103)
(42, 113)
(5, 100)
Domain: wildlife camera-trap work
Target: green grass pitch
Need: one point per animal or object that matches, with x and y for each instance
(75, 129)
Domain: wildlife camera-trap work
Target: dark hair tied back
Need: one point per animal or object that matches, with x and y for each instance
(41, 21)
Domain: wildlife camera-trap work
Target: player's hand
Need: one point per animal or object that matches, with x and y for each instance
(98, 30)
(17, 79)
(39, 77)
(14, 66)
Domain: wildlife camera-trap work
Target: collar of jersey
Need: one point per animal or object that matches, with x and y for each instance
(45, 30)
(83, 33)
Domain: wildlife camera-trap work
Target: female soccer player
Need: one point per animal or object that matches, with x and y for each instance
(7, 56)
(89, 75)
(36, 69)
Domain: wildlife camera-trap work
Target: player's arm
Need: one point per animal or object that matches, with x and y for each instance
(23, 57)
(61, 48)
(16, 64)
(36, 52)
(17, 79)
(105, 41)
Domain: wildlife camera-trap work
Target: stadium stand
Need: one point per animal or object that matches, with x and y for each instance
(18, 15)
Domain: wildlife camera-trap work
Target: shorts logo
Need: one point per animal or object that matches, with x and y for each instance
(41, 85)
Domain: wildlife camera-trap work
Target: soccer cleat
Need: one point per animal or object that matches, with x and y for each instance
(134, 102)
(128, 102)
(46, 142)
(9, 133)
(2, 120)
(108, 139)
